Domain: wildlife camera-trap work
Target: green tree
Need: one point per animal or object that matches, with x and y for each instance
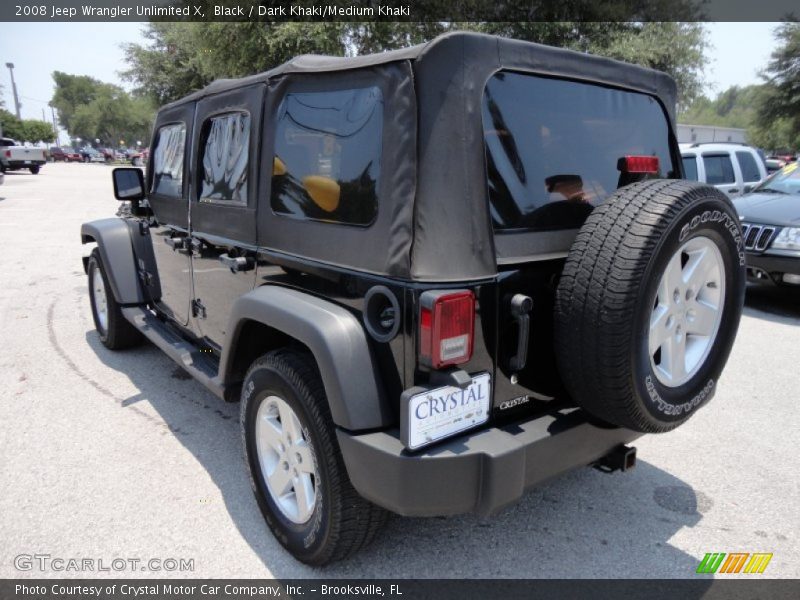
(91, 109)
(37, 131)
(11, 125)
(181, 57)
(741, 107)
(72, 92)
(25, 130)
(677, 48)
(781, 100)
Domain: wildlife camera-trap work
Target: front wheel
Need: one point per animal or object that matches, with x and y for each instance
(114, 330)
(296, 468)
(648, 304)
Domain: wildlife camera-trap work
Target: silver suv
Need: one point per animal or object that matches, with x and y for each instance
(735, 169)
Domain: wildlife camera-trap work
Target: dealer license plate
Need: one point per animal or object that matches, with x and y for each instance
(436, 414)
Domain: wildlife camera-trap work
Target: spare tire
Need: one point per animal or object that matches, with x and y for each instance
(648, 303)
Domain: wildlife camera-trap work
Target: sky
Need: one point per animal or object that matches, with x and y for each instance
(738, 51)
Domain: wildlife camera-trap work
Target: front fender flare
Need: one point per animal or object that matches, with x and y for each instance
(338, 342)
(116, 251)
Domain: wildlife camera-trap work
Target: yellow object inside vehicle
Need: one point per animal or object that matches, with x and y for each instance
(278, 167)
(324, 191)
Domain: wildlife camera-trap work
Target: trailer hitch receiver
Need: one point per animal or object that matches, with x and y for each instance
(621, 458)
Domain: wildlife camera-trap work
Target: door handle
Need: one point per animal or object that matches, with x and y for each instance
(237, 263)
(733, 191)
(521, 306)
(176, 243)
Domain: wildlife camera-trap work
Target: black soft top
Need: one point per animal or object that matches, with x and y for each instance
(443, 80)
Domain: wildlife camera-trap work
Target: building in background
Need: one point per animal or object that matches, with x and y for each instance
(695, 134)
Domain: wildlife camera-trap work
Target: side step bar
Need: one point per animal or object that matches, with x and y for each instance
(186, 354)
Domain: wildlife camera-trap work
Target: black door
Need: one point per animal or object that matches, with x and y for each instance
(223, 208)
(168, 178)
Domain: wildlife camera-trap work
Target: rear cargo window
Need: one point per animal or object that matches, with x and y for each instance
(719, 169)
(327, 156)
(168, 160)
(747, 163)
(690, 167)
(552, 147)
(225, 143)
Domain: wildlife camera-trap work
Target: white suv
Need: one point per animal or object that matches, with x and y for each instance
(733, 168)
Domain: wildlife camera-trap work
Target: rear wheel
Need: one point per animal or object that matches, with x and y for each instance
(295, 464)
(35, 169)
(648, 304)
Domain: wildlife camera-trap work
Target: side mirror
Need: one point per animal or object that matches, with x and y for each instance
(128, 183)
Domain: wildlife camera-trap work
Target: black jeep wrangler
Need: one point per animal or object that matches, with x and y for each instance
(434, 277)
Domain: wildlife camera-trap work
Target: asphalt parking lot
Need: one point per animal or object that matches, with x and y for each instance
(109, 455)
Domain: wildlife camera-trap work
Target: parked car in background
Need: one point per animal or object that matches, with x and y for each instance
(786, 156)
(735, 169)
(139, 159)
(89, 154)
(66, 153)
(54, 154)
(770, 219)
(14, 156)
(773, 164)
(108, 154)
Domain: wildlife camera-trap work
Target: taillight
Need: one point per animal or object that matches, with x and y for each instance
(638, 164)
(446, 327)
(8, 153)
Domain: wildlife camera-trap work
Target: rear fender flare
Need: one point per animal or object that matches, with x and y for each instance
(336, 339)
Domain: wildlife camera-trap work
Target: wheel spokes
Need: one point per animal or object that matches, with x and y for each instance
(304, 495)
(686, 311)
(280, 479)
(290, 424)
(702, 319)
(286, 459)
(659, 328)
(269, 430)
(303, 458)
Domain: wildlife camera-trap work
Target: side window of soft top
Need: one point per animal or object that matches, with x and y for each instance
(328, 156)
(168, 160)
(224, 158)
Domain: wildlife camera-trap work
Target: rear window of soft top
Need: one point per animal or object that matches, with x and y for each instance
(552, 147)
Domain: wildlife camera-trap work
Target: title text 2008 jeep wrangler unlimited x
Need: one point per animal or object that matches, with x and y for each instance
(433, 277)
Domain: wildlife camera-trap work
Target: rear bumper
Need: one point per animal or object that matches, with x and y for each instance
(768, 268)
(479, 472)
(23, 164)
